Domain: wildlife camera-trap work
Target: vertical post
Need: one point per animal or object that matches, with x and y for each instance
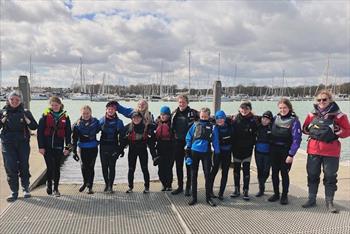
(217, 95)
(24, 88)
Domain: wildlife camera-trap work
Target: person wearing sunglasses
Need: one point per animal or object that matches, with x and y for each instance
(324, 125)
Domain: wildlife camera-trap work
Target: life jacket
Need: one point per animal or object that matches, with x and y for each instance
(182, 121)
(87, 132)
(263, 138)
(281, 130)
(109, 129)
(163, 131)
(202, 132)
(137, 137)
(53, 127)
(245, 130)
(263, 134)
(15, 122)
(322, 129)
(225, 133)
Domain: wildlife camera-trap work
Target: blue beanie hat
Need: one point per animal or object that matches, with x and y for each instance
(220, 115)
(165, 110)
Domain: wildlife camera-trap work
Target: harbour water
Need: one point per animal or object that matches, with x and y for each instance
(71, 169)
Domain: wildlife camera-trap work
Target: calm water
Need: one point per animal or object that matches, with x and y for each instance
(71, 169)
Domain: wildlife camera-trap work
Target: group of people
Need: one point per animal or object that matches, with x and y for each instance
(183, 137)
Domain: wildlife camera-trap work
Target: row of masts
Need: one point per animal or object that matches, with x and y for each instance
(83, 86)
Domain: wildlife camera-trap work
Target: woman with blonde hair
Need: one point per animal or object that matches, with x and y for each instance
(142, 107)
(85, 130)
(324, 126)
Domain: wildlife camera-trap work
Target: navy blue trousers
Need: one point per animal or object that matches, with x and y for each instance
(16, 162)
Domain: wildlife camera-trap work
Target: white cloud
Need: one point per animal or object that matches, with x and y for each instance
(128, 40)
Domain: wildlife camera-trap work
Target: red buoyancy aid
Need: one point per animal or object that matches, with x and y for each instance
(163, 132)
(133, 136)
(51, 127)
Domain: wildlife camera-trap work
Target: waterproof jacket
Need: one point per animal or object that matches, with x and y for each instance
(163, 130)
(286, 131)
(226, 135)
(84, 133)
(263, 139)
(139, 136)
(201, 136)
(54, 133)
(112, 131)
(245, 128)
(340, 124)
(15, 128)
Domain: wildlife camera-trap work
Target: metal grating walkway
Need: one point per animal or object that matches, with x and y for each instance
(234, 215)
(76, 212)
(159, 212)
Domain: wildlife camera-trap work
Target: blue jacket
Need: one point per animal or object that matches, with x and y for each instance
(125, 111)
(200, 144)
(112, 131)
(225, 134)
(84, 133)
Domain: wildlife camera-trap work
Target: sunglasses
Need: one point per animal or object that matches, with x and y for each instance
(322, 99)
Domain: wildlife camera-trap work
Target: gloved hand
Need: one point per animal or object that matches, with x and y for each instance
(76, 156)
(188, 161)
(188, 157)
(156, 161)
(187, 152)
(336, 128)
(121, 153)
(115, 155)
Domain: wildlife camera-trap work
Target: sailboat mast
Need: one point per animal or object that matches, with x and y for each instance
(81, 75)
(327, 70)
(189, 72)
(219, 67)
(161, 79)
(235, 80)
(282, 91)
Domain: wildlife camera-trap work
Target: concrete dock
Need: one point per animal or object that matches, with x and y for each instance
(161, 212)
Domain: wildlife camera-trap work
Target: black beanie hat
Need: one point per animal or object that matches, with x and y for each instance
(246, 104)
(268, 114)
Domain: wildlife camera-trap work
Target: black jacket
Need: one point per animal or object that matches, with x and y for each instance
(15, 127)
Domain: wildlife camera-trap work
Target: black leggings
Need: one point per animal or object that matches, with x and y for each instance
(179, 155)
(278, 163)
(53, 160)
(140, 152)
(165, 171)
(108, 162)
(245, 165)
(223, 159)
(206, 163)
(88, 159)
(263, 164)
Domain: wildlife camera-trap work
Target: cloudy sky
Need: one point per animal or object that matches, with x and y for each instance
(132, 42)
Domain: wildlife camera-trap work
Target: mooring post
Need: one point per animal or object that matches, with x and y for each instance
(217, 95)
(24, 88)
